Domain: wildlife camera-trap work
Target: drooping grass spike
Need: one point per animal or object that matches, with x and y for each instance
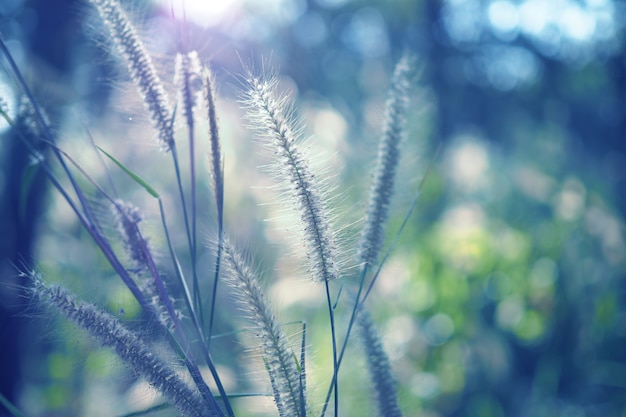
(108, 331)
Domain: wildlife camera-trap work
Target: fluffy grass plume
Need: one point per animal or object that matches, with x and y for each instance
(378, 366)
(373, 233)
(215, 153)
(279, 359)
(382, 188)
(140, 66)
(271, 116)
(108, 331)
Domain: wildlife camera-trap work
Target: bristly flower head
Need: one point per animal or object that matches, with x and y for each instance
(379, 368)
(279, 359)
(382, 188)
(128, 217)
(187, 76)
(138, 249)
(270, 115)
(108, 331)
(141, 68)
(215, 153)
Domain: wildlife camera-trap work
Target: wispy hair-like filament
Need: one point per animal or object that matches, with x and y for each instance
(108, 331)
(382, 187)
(378, 366)
(279, 359)
(141, 68)
(215, 152)
(217, 178)
(270, 116)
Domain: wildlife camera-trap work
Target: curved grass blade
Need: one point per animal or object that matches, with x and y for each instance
(10, 407)
(180, 277)
(131, 174)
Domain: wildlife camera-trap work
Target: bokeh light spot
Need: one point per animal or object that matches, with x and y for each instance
(201, 12)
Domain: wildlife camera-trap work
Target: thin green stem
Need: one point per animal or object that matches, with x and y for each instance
(190, 242)
(192, 313)
(331, 313)
(216, 276)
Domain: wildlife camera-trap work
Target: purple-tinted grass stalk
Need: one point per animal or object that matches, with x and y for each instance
(166, 302)
(381, 191)
(85, 217)
(147, 80)
(194, 317)
(217, 180)
(108, 331)
(271, 117)
(142, 252)
(181, 281)
(144, 75)
(123, 273)
(88, 217)
(187, 75)
(280, 362)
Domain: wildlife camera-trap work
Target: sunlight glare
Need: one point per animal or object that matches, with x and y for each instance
(204, 13)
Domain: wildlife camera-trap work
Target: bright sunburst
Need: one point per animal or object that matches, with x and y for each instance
(204, 13)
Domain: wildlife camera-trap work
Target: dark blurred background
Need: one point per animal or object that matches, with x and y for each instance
(514, 303)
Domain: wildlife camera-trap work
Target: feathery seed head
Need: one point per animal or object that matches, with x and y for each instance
(108, 331)
(271, 116)
(215, 153)
(382, 187)
(27, 121)
(141, 68)
(128, 217)
(277, 355)
(379, 368)
(187, 77)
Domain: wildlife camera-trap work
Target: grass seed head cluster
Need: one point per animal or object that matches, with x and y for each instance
(188, 325)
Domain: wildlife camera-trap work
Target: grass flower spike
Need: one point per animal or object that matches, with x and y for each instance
(373, 233)
(215, 154)
(378, 366)
(140, 67)
(278, 357)
(187, 76)
(272, 118)
(128, 217)
(382, 187)
(108, 331)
